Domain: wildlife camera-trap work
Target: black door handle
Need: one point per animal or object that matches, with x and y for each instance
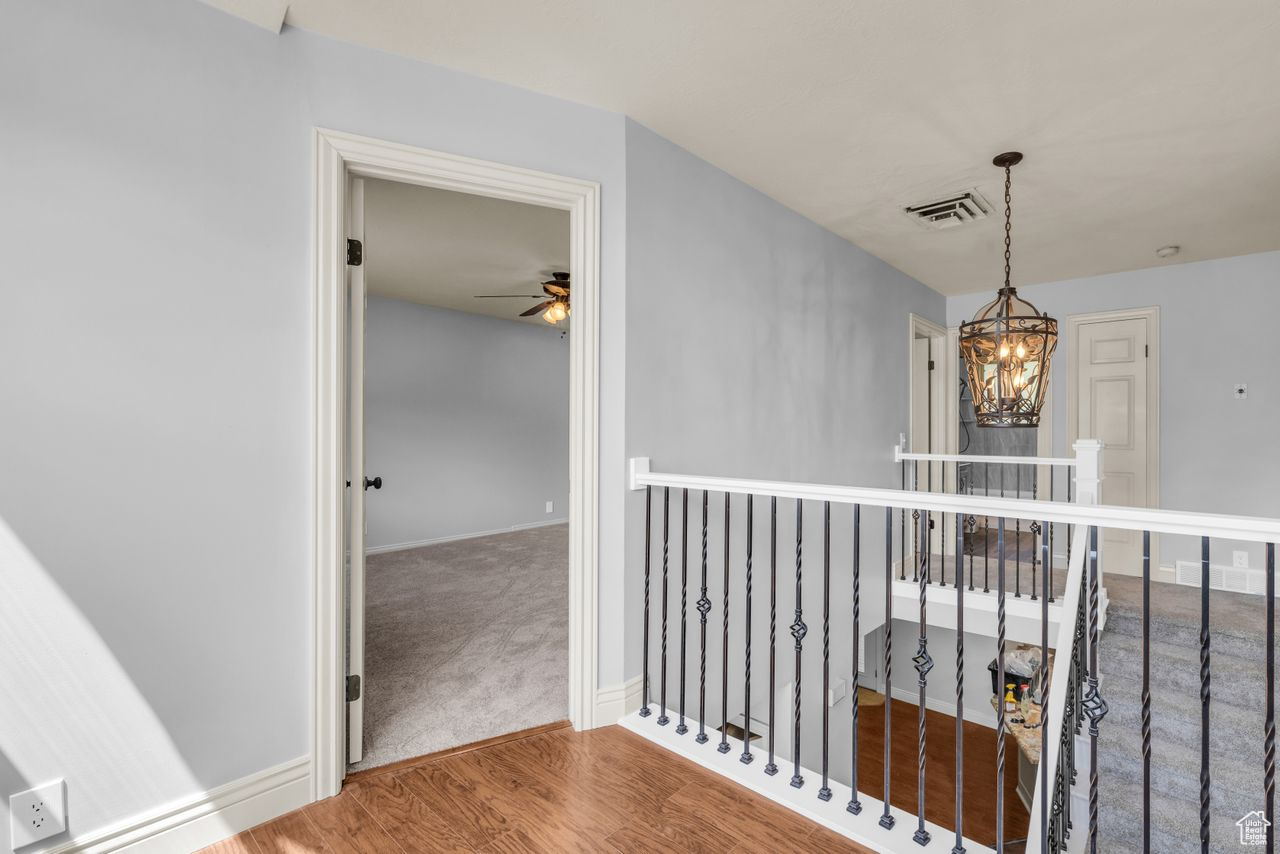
(376, 483)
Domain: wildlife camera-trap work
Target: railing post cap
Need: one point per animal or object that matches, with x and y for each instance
(636, 466)
(1087, 443)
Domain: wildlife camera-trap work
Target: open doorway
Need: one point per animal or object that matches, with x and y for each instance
(459, 430)
(340, 158)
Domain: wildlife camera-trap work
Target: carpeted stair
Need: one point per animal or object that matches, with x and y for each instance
(1237, 714)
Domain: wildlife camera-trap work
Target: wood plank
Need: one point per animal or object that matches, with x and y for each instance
(414, 826)
(241, 843)
(346, 827)
(469, 812)
(292, 833)
(417, 761)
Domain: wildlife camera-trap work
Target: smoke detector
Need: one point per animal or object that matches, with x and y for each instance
(950, 211)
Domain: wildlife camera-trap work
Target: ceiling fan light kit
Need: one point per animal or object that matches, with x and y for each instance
(553, 310)
(1008, 345)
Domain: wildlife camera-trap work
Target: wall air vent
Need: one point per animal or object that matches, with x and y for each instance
(950, 211)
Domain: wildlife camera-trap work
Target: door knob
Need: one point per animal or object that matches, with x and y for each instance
(376, 483)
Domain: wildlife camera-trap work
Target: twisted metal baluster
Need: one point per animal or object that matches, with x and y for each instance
(1017, 537)
(1035, 532)
(1049, 568)
(924, 663)
(746, 756)
(1146, 691)
(1204, 695)
(1000, 724)
(824, 793)
(958, 848)
(1043, 531)
(1269, 732)
(902, 516)
(798, 631)
(704, 607)
(723, 746)
(682, 727)
(1095, 708)
(855, 806)
(886, 819)
(771, 767)
(986, 531)
(663, 720)
(648, 512)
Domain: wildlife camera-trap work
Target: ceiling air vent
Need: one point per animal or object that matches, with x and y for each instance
(953, 210)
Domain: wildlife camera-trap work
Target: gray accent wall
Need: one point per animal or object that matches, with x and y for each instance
(758, 345)
(466, 421)
(155, 469)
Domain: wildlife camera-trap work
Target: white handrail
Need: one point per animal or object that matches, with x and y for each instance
(900, 455)
(1246, 528)
(1051, 736)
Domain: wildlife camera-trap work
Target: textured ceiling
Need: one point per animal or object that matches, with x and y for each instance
(442, 248)
(1144, 123)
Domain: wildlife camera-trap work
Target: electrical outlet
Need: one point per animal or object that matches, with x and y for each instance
(550, 507)
(37, 814)
(1240, 559)
(1240, 391)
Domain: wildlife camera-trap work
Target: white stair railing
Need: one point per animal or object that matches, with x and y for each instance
(754, 558)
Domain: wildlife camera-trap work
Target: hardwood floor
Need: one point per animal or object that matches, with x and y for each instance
(607, 790)
(560, 791)
(940, 793)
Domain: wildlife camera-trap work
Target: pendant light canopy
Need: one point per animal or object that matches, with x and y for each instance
(1008, 345)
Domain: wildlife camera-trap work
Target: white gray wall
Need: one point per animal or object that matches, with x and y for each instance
(758, 345)
(1217, 328)
(466, 421)
(156, 401)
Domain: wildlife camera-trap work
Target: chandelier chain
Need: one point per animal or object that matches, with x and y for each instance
(1008, 222)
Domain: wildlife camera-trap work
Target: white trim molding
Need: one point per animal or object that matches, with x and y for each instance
(339, 155)
(613, 704)
(201, 820)
(453, 538)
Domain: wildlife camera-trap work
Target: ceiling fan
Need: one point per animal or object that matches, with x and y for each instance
(554, 309)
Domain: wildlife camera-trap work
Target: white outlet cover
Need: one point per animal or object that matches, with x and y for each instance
(1241, 391)
(550, 507)
(37, 814)
(1240, 559)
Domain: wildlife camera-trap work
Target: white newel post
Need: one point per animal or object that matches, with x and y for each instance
(1088, 471)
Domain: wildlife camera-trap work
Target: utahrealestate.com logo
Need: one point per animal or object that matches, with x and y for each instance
(1253, 828)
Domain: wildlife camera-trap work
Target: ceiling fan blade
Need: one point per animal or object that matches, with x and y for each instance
(555, 289)
(508, 296)
(536, 309)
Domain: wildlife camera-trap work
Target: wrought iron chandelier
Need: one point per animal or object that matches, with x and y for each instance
(1009, 343)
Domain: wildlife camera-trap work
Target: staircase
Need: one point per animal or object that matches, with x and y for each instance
(1237, 649)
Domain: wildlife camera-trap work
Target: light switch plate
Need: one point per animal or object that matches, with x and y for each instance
(1240, 559)
(550, 507)
(37, 814)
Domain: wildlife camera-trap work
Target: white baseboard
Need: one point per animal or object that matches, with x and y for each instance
(203, 819)
(613, 704)
(982, 714)
(525, 526)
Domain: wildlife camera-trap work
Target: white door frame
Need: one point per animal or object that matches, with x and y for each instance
(1152, 315)
(336, 156)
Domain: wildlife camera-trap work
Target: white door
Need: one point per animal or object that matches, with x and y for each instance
(1111, 392)
(355, 477)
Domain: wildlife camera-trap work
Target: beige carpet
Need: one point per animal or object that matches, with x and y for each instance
(465, 640)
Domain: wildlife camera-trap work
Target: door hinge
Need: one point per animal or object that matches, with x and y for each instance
(1146, 350)
(353, 688)
(355, 252)
(931, 364)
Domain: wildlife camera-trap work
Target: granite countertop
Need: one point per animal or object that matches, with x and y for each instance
(1028, 737)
